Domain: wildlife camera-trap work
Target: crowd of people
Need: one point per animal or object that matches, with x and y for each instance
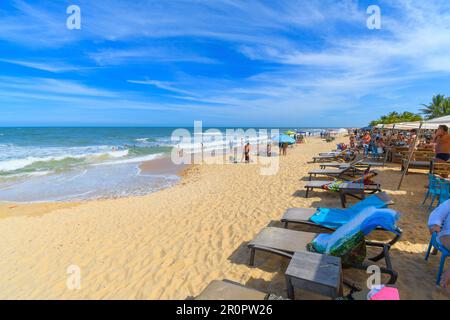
(376, 141)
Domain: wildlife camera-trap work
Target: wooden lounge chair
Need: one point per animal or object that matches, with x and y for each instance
(356, 190)
(302, 216)
(285, 242)
(338, 172)
(341, 156)
(357, 162)
(337, 164)
(229, 290)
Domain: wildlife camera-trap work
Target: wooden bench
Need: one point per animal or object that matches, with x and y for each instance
(396, 154)
(419, 160)
(441, 169)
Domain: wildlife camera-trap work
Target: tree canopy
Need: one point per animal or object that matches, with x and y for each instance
(438, 107)
(395, 117)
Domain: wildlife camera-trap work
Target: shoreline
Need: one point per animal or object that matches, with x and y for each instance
(171, 243)
(157, 166)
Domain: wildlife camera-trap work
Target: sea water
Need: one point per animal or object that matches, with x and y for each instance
(68, 164)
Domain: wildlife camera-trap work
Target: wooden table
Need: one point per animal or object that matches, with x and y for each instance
(316, 273)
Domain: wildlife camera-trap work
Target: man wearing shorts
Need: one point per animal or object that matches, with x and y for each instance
(442, 141)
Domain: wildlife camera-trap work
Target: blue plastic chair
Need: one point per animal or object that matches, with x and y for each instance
(444, 194)
(434, 243)
(433, 189)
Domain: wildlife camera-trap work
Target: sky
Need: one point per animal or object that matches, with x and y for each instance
(224, 62)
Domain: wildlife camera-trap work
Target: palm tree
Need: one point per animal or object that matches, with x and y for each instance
(439, 107)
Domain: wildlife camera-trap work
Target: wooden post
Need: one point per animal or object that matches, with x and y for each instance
(410, 156)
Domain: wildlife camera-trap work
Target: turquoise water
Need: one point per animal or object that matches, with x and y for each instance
(61, 164)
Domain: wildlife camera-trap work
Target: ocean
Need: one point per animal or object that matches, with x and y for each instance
(69, 164)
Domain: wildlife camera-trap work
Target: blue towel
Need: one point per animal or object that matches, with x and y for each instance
(363, 223)
(334, 218)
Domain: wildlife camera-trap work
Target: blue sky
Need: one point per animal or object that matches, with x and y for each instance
(228, 63)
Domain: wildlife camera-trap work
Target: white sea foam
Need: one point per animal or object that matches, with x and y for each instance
(133, 160)
(17, 164)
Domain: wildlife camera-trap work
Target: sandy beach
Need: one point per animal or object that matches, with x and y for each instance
(170, 244)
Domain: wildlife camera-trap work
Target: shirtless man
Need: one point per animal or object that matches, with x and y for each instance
(442, 141)
(439, 222)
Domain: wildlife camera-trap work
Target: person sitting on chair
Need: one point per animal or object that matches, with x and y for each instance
(445, 282)
(439, 222)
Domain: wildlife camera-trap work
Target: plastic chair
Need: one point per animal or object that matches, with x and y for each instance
(434, 243)
(433, 189)
(444, 190)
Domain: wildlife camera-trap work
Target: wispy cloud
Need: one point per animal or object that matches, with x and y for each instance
(161, 85)
(49, 67)
(245, 59)
(146, 55)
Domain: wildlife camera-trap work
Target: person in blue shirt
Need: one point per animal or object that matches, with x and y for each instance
(439, 222)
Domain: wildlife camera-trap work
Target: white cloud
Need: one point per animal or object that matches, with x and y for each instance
(50, 67)
(313, 56)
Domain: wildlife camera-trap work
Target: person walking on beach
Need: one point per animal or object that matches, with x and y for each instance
(269, 149)
(284, 147)
(442, 141)
(247, 152)
(439, 222)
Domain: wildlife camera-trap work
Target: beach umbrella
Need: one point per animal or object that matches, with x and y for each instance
(285, 138)
(290, 133)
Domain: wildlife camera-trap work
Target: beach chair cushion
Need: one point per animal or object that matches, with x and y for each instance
(334, 218)
(348, 236)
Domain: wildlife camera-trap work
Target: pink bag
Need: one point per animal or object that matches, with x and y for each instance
(384, 293)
